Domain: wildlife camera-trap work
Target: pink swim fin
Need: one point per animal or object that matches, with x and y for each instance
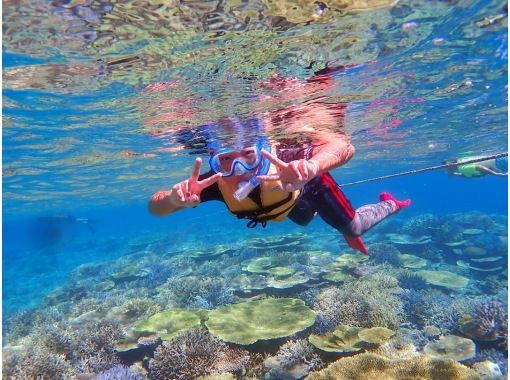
(356, 243)
(388, 197)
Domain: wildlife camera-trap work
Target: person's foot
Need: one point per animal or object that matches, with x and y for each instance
(388, 197)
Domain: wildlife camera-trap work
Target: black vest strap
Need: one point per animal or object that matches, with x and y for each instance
(263, 210)
(255, 215)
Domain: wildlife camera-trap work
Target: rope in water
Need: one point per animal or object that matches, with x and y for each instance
(416, 171)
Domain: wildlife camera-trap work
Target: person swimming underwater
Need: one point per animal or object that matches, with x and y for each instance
(496, 166)
(265, 182)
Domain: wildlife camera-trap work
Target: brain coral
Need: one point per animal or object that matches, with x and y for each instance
(370, 366)
(248, 322)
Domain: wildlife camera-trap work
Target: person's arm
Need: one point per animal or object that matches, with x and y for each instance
(163, 202)
(183, 194)
(331, 150)
(327, 154)
(485, 169)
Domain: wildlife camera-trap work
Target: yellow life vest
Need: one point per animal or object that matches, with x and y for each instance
(275, 204)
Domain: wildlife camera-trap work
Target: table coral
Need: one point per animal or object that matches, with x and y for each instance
(248, 322)
(370, 366)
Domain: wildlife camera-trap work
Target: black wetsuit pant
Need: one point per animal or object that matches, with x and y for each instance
(323, 196)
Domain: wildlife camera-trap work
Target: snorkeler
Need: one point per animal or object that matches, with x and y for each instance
(264, 182)
(496, 166)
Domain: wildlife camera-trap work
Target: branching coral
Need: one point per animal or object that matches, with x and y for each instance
(199, 292)
(420, 225)
(473, 220)
(189, 356)
(36, 362)
(488, 322)
(431, 307)
(92, 346)
(22, 324)
(294, 360)
(380, 253)
(299, 352)
(367, 302)
(409, 280)
(119, 372)
(284, 258)
(448, 231)
(193, 354)
(495, 356)
(63, 349)
(334, 306)
(137, 307)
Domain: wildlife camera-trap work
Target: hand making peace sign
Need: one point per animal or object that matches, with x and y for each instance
(187, 192)
(293, 175)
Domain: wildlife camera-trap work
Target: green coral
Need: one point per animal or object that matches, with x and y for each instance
(342, 339)
(281, 272)
(261, 265)
(350, 339)
(248, 322)
(451, 347)
(376, 335)
(444, 279)
(168, 323)
(368, 366)
(337, 276)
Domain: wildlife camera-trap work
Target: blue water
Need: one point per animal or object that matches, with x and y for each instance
(424, 84)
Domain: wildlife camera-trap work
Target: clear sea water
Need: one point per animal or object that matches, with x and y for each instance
(425, 82)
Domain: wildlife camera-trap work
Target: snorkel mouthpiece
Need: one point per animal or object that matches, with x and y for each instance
(245, 188)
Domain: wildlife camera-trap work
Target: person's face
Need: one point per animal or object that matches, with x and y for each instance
(247, 155)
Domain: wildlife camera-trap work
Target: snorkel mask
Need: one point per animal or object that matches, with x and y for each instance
(247, 161)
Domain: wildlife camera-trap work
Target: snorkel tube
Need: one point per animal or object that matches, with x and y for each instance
(245, 188)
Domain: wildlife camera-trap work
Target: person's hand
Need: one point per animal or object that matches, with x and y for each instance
(293, 175)
(187, 192)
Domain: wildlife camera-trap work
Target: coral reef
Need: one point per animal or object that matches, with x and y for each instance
(168, 323)
(444, 279)
(61, 349)
(119, 372)
(488, 322)
(424, 224)
(195, 292)
(408, 279)
(350, 339)
(35, 362)
(431, 307)
(488, 370)
(396, 348)
(370, 366)
(495, 356)
(247, 322)
(451, 347)
(146, 309)
(195, 353)
(294, 360)
(367, 302)
(381, 253)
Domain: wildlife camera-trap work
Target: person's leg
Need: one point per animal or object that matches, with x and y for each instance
(304, 211)
(336, 210)
(331, 203)
(369, 215)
